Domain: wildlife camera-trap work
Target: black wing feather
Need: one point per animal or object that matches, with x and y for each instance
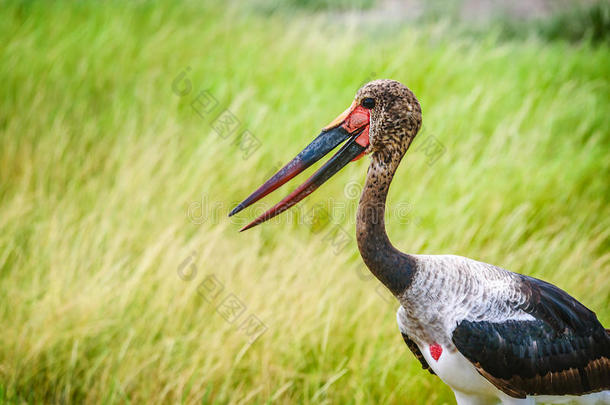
(415, 349)
(564, 351)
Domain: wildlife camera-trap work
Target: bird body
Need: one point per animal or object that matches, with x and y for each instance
(450, 293)
(490, 334)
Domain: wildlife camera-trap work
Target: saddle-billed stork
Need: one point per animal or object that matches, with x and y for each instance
(490, 334)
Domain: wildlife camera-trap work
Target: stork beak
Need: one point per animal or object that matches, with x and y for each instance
(352, 124)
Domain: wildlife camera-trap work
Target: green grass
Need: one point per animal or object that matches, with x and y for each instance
(101, 163)
(580, 22)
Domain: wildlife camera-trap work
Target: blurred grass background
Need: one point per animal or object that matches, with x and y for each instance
(104, 164)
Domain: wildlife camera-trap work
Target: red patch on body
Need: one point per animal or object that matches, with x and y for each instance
(435, 351)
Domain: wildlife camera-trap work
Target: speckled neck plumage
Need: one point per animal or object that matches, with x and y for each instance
(394, 122)
(392, 267)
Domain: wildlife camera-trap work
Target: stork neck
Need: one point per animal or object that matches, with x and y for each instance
(392, 267)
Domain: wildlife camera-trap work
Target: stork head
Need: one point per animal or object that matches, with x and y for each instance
(395, 116)
(382, 120)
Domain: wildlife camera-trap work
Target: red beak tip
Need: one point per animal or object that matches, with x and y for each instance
(250, 225)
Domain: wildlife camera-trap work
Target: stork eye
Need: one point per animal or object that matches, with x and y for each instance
(368, 103)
